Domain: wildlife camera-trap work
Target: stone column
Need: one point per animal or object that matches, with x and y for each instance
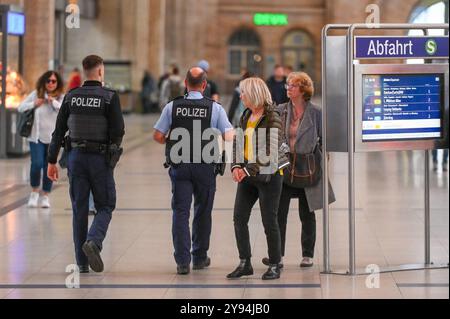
(156, 37)
(39, 38)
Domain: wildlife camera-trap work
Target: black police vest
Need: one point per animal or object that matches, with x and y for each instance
(193, 117)
(88, 108)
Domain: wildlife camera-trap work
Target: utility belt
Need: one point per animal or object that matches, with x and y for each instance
(219, 168)
(112, 152)
(90, 147)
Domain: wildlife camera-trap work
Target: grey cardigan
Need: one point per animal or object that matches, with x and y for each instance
(308, 135)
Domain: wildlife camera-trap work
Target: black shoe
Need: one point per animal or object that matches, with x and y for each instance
(92, 212)
(183, 270)
(272, 273)
(244, 269)
(202, 265)
(266, 261)
(83, 269)
(92, 252)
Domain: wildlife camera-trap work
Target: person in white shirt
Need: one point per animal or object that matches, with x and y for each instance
(46, 100)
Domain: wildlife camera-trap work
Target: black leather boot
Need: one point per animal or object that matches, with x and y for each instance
(244, 269)
(272, 273)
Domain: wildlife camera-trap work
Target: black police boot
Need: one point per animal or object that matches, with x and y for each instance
(84, 269)
(272, 273)
(92, 252)
(204, 264)
(266, 261)
(244, 269)
(183, 269)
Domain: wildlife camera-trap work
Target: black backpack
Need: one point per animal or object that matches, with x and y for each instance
(25, 123)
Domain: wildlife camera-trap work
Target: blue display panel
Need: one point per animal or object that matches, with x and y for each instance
(16, 23)
(402, 107)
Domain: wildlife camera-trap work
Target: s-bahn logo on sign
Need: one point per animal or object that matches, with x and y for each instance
(431, 47)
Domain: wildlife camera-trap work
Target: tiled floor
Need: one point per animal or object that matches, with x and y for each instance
(36, 245)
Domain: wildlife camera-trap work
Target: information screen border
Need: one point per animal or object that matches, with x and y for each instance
(399, 144)
(442, 107)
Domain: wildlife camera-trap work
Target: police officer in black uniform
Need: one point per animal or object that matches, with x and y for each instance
(93, 117)
(193, 166)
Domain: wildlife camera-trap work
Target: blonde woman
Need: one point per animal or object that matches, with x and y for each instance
(46, 100)
(256, 181)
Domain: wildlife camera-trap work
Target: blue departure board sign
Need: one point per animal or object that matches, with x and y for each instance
(16, 23)
(402, 107)
(402, 47)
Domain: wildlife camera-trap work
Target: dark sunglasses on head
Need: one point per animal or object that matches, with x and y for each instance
(50, 81)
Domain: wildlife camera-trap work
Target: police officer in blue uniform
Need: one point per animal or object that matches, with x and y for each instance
(93, 117)
(192, 162)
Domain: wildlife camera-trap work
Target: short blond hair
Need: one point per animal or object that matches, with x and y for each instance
(303, 80)
(256, 91)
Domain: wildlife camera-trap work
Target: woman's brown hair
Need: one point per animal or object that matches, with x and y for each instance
(41, 83)
(304, 82)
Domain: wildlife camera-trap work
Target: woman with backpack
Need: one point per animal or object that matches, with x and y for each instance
(46, 101)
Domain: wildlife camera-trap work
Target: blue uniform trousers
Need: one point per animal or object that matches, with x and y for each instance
(199, 181)
(89, 172)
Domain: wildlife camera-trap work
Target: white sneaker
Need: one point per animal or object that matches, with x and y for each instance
(45, 202)
(307, 262)
(33, 201)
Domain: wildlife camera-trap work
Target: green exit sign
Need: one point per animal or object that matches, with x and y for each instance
(270, 19)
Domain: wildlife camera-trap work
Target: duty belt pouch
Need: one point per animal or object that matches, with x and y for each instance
(168, 162)
(67, 144)
(305, 169)
(220, 167)
(113, 155)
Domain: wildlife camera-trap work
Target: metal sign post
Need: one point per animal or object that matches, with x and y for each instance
(332, 66)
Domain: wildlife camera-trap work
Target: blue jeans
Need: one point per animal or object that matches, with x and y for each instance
(39, 165)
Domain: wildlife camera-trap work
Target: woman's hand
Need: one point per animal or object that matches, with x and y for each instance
(238, 175)
(39, 102)
(235, 174)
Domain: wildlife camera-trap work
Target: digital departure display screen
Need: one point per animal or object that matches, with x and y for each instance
(402, 107)
(16, 23)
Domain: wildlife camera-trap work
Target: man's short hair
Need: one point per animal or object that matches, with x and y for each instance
(91, 62)
(195, 81)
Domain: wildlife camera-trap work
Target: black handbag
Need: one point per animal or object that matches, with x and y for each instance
(25, 123)
(305, 169)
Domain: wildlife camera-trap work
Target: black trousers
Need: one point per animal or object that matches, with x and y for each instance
(248, 193)
(307, 218)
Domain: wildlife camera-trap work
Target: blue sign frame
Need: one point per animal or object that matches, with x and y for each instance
(406, 47)
(16, 23)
